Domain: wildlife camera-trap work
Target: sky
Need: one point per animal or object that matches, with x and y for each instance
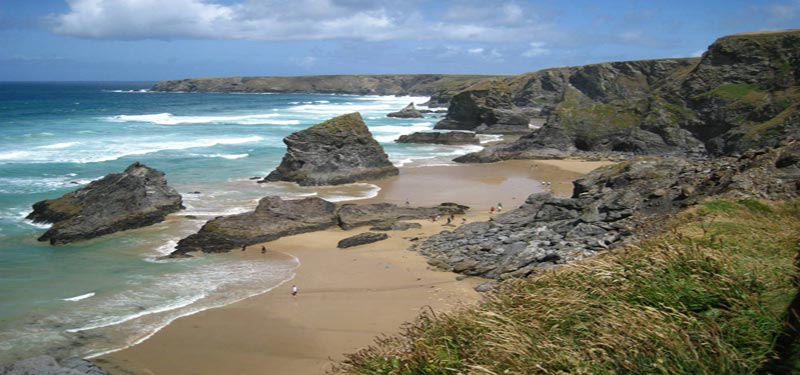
(150, 40)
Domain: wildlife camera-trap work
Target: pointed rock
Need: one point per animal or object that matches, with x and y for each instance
(338, 151)
(408, 112)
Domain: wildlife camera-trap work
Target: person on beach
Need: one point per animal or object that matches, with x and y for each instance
(407, 202)
(491, 210)
(263, 250)
(244, 247)
(499, 206)
(294, 290)
(463, 220)
(448, 221)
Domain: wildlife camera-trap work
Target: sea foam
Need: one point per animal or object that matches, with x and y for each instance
(170, 119)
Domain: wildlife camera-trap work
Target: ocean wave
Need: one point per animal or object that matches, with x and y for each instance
(193, 311)
(106, 322)
(227, 156)
(78, 298)
(59, 146)
(170, 119)
(93, 152)
(36, 184)
(128, 91)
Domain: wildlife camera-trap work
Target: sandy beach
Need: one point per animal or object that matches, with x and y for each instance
(346, 296)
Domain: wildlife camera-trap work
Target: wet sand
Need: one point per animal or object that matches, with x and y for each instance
(346, 296)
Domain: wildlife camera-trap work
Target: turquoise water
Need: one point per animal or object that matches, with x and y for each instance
(109, 293)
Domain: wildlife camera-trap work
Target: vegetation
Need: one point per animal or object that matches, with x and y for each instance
(736, 91)
(706, 296)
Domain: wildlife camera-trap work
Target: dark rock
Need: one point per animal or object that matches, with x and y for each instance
(272, 219)
(46, 365)
(361, 239)
(354, 215)
(446, 138)
(338, 151)
(606, 204)
(136, 198)
(408, 112)
(396, 226)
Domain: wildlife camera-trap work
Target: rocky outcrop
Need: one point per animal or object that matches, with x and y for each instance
(408, 111)
(273, 218)
(487, 108)
(136, 198)
(361, 239)
(338, 151)
(443, 138)
(440, 87)
(606, 207)
(46, 365)
(355, 215)
(742, 93)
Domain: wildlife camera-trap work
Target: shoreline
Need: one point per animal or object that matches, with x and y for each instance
(347, 296)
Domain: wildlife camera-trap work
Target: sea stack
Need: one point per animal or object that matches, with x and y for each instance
(136, 198)
(338, 151)
(408, 112)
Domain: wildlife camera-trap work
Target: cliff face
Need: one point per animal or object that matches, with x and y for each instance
(338, 151)
(135, 198)
(742, 93)
(440, 87)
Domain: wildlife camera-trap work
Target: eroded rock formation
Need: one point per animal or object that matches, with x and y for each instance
(136, 198)
(338, 151)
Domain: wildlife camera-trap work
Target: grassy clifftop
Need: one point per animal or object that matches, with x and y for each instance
(707, 296)
(440, 86)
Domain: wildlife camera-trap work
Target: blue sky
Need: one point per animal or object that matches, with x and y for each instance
(148, 40)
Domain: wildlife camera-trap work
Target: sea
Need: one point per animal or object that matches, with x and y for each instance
(102, 295)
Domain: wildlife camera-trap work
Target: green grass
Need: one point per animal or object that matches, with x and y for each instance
(735, 90)
(706, 296)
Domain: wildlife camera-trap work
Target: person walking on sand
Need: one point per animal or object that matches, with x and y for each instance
(491, 210)
(294, 290)
(263, 250)
(244, 247)
(499, 206)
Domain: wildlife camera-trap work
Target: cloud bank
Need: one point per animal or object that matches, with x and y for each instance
(274, 20)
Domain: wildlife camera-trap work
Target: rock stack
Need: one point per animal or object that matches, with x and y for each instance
(338, 151)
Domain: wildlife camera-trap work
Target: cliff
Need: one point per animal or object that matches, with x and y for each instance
(742, 93)
(440, 87)
(136, 198)
(338, 151)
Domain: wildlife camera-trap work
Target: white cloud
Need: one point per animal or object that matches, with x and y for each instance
(299, 20)
(475, 51)
(536, 49)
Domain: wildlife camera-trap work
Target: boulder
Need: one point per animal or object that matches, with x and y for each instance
(338, 151)
(361, 239)
(446, 138)
(136, 198)
(354, 215)
(408, 112)
(272, 219)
